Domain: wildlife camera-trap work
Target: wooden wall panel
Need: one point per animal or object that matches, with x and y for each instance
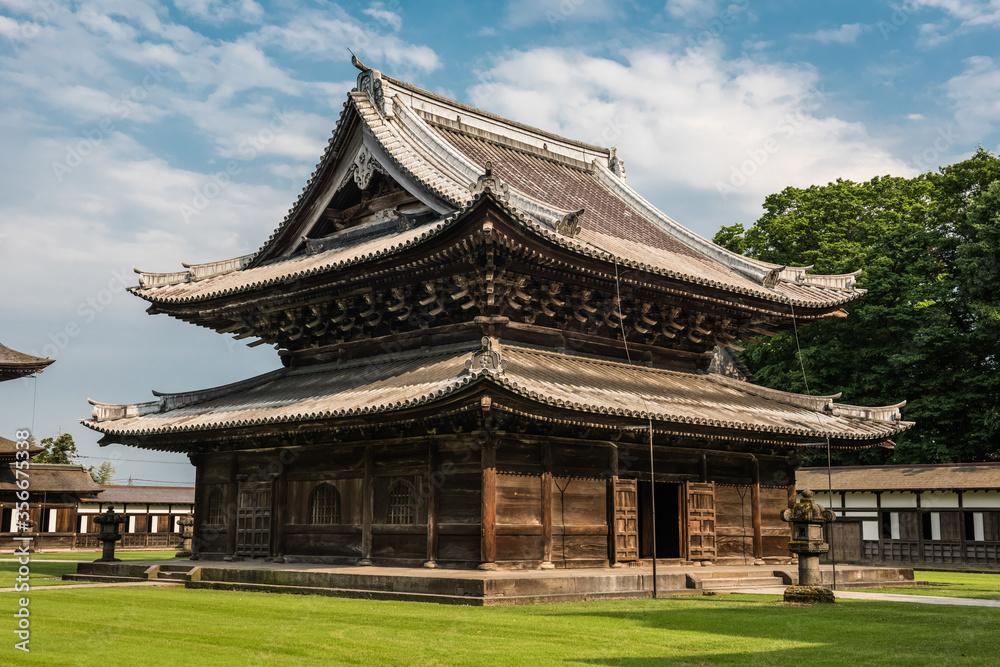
(396, 545)
(733, 521)
(347, 545)
(579, 519)
(517, 458)
(458, 548)
(459, 499)
(519, 500)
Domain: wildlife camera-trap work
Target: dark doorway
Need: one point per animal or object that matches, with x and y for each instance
(668, 520)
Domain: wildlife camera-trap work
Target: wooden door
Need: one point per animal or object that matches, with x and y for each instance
(253, 519)
(625, 524)
(700, 514)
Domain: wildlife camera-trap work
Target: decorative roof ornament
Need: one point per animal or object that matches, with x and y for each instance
(489, 359)
(490, 183)
(363, 167)
(569, 226)
(370, 82)
(616, 165)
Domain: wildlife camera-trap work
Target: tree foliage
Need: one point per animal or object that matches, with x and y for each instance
(60, 449)
(928, 329)
(103, 473)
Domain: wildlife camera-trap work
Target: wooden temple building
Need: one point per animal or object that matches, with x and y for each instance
(494, 353)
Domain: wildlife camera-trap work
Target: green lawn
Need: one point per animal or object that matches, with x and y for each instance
(959, 585)
(94, 555)
(42, 574)
(175, 626)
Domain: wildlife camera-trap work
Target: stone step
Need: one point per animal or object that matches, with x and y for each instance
(747, 582)
(99, 578)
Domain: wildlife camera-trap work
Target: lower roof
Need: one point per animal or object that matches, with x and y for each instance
(49, 478)
(140, 495)
(902, 477)
(518, 378)
(14, 364)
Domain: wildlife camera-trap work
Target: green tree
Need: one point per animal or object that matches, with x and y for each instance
(61, 449)
(103, 473)
(927, 330)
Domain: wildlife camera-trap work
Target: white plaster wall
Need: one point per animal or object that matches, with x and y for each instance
(899, 499)
(939, 499)
(984, 499)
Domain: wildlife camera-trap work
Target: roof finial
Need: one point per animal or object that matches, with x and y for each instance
(357, 63)
(490, 183)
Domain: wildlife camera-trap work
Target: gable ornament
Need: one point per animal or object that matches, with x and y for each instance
(490, 183)
(488, 359)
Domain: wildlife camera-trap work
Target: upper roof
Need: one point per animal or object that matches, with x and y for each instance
(177, 495)
(50, 478)
(14, 364)
(439, 149)
(902, 477)
(520, 379)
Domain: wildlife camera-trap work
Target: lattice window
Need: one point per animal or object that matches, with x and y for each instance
(216, 514)
(324, 505)
(402, 503)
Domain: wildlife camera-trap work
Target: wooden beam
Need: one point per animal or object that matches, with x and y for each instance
(488, 513)
(367, 509)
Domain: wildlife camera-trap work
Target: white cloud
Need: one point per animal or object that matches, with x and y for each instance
(692, 9)
(967, 14)
(845, 34)
(222, 11)
(975, 97)
(379, 12)
(687, 123)
(556, 13)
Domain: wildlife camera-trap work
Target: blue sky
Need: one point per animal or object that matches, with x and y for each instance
(117, 117)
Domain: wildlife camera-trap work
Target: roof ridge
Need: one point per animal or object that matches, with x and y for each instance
(492, 116)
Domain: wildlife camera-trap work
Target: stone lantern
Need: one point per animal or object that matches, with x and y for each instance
(109, 522)
(186, 523)
(808, 518)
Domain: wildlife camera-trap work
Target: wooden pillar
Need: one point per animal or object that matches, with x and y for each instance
(704, 468)
(547, 507)
(881, 531)
(367, 509)
(232, 509)
(758, 540)
(961, 528)
(279, 514)
(488, 514)
(432, 505)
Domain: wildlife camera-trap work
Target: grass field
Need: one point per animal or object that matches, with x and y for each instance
(42, 574)
(94, 555)
(171, 626)
(959, 585)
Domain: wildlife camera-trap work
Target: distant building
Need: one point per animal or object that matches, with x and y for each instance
(151, 514)
(55, 492)
(944, 513)
(14, 364)
(64, 499)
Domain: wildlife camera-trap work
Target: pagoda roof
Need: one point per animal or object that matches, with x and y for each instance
(440, 149)
(523, 380)
(794, 287)
(14, 364)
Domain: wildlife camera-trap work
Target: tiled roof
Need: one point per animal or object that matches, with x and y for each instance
(548, 177)
(9, 448)
(180, 495)
(586, 386)
(902, 477)
(50, 478)
(14, 364)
